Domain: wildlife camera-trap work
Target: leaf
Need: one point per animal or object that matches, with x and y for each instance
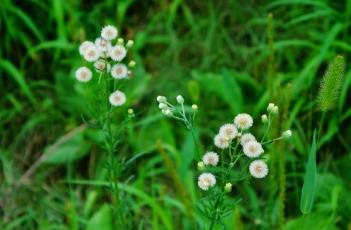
(310, 179)
(102, 219)
(68, 148)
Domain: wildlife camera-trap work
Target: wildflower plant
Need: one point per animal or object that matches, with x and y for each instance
(104, 72)
(239, 155)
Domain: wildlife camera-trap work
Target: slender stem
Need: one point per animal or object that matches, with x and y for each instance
(195, 143)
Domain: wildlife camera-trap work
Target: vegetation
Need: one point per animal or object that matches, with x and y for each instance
(60, 170)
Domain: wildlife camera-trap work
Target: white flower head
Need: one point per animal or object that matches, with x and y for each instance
(92, 53)
(102, 44)
(117, 98)
(117, 53)
(206, 180)
(84, 46)
(101, 66)
(245, 138)
(119, 71)
(243, 121)
(253, 149)
(210, 158)
(221, 142)
(83, 74)
(228, 131)
(109, 32)
(258, 169)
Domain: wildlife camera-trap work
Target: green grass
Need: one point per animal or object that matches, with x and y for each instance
(217, 54)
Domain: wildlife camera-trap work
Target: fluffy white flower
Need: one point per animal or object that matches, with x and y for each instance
(117, 98)
(101, 65)
(92, 53)
(258, 169)
(246, 138)
(109, 32)
(210, 158)
(206, 180)
(117, 53)
(84, 46)
(243, 121)
(253, 149)
(221, 142)
(83, 74)
(102, 44)
(228, 131)
(119, 71)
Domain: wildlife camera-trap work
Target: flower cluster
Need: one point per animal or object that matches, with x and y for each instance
(236, 138)
(106, 55)
(179, 112)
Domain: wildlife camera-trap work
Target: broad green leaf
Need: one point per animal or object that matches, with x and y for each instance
(101, 220)
(310, 179)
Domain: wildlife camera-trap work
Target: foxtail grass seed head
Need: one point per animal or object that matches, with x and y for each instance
(117, 98)
(243, 121)
(287, 134)
(119, 71)
(91, 54)
(264, 118)
(84, 46)
(258, 169)
(200, 166)
(246, 138)
(210, 158)
(161, 99)
(194, 107)
(117, 53)
(109, 32)
(228, 187)
(206, 181)
(83, 74)
(253, 149)
(331, 84)
(180, 99)
(221, 141)
(228, 131)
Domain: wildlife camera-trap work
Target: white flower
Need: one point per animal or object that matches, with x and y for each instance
(247, 138)
(206, 180)
(228, 131)
(117, 53)
(101, 65)
(243, 121)
(258, 169)
(119, 71)
(83, 74)
(84, 46)
(253, 149)
(221, 141)
(180, 99)
(287, 134)
(102, 44)
(109, 32)
(92, 53)
(117, 98)
(210, 158)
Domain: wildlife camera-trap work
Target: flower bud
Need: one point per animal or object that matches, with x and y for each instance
(287, 134)
(228, 187)
(120, 41)
(275, 109)
(162, 106)
(270, 107)
(168, 112)
(200, 166)
(180, 99)
(130, 43)
(161, 99)
(194, 107)
(132, 63)
(130, 111)
(264, 118)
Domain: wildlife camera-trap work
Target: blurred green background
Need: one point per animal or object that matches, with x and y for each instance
(226, 56)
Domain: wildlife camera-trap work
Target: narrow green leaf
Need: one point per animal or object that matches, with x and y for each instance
(310, 179)
(102, 219)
